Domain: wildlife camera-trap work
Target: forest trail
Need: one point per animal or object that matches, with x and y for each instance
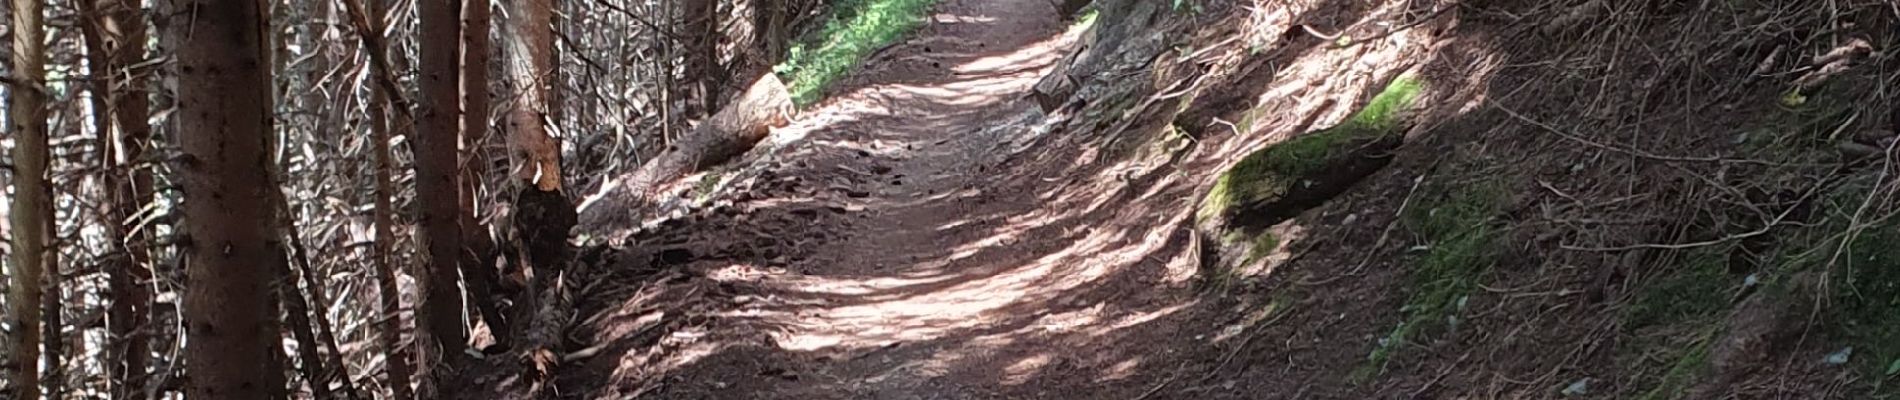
(964, 257)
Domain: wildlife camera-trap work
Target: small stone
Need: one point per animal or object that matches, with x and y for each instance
(1840, 357)
(1579, 388)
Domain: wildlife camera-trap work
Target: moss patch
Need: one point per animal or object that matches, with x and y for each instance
(1687, 361)
(1258, 246)
(1457, 231)
(1866, 310)
(854, 29)
(703, 190)
(1695, 293)
(1671, 321)
(1271, 172)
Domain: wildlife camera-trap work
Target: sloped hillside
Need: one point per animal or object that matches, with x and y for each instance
(1293, 199)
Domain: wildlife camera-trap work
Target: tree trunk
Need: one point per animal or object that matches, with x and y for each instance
(542, 213)
(730, 132)
(297, 309)
(396, 363)
(440, 337)
(478, 265)
(223, 95)
(699, 25)
(32, 202)
(529, 45)
(768, 29)
(115, 39)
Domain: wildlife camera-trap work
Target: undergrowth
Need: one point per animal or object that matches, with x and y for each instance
(1864, 267)
(1692, 293)
(854, 30)
(1672, 319)
(1686, 362)
(1455, 226)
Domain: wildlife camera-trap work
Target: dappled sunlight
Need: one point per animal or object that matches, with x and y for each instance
(981, 246)
(948, 18)
(1121, 370)
(1022, 370)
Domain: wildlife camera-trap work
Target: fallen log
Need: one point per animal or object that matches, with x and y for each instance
(727, 134)
(1281, 181)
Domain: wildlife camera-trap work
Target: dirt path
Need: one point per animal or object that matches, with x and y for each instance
(926, 241)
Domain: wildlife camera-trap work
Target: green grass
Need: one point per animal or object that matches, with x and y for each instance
(1695, 293)
(1672, 319)
(1458, 234)
(1866, 303)
(855, 29)
(1271, 172)
(1689, 363)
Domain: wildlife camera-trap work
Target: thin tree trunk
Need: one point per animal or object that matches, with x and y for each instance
(478, 266)
(699, 23)
(441, 336)
(223, 94)
(32, 202)
(298, 312)
(768, 29)
(115, 39)
(396, 364)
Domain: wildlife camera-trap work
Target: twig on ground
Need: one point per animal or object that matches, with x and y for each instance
(1619, 149)
(1164, 383)
(1257, 331)
(1770, 226)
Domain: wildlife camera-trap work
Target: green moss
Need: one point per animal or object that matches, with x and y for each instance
(1690, 362)
(1259, 246)
(1457, 231)
(1866, 311)
(1271, 172)
(855, 29)
(703, 189)
(1697, 292)
(1087, 19)
(1671, 321)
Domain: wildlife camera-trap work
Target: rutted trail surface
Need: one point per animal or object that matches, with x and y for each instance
(914, 237)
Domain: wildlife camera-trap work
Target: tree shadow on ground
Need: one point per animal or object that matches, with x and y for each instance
(926, 236)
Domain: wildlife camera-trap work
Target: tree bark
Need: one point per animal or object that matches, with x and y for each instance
(699, 25)
(32, 202)
(478, 265)
(542, 213)
(396, 362)
(224, 120)
(529, 45)
(440, 337)
(115, 39)
(730, 132)
(297, 309)
(768, 29)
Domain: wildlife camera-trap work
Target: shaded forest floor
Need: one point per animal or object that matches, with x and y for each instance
(929, 232)
(915, 239)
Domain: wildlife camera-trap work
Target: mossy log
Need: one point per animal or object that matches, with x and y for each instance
(727, 134)
(1283, 180)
